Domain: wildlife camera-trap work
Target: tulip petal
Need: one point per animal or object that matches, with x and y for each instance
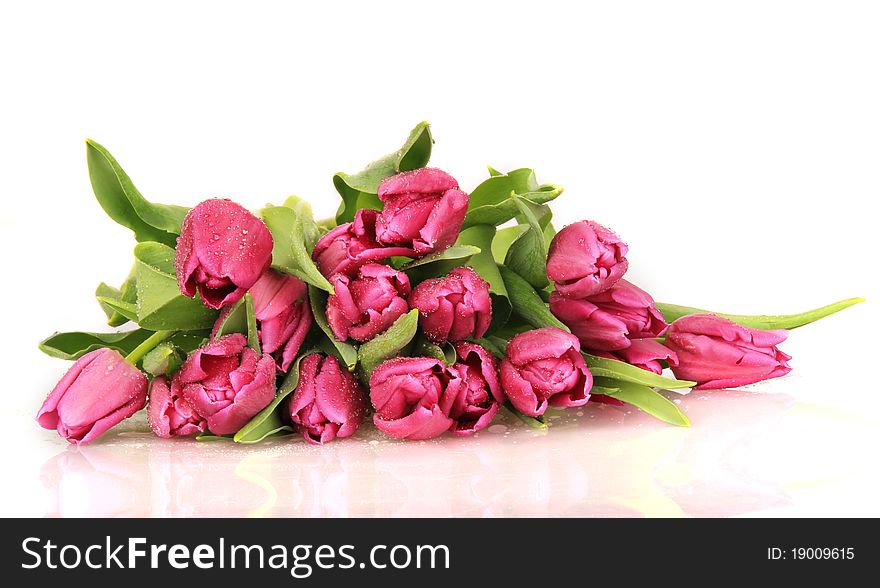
(422, 423)
(548, 342)
(520, 392)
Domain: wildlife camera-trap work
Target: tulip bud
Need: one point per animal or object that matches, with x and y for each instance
(545, 367)
(221, 252)
(366, 305)
(328, 401)
(476, 395)
(584, 259)
(281, 305)
(406, 393)
(171, 415)
(609, 320)
(99, 390)
(454, 307)
(718, 353)
(423, 210)
(227, 383)
(347, 247)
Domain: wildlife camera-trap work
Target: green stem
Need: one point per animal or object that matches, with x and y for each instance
(148, 345)
(672, 312)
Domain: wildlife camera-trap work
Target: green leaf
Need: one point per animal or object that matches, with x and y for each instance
(422, 347)
(527, 303)
(359, 190)
(126, 310)
(388, 344)
(160, 304)
(492, 346)
(126, 294)
(672, 312)
(483, 263)
(344, 351)
(527, 255)
(438, 264)
(234, 321)
(624, 372)
(455, 253)
(494, 172)
(209, 436)
(73, 345)
(124, 204)
(534, 422)
(165, 358)
(252, 334)
(270, 420)
(492, 203)
(648, 400)
(295, 233)
(504, 238)
(549, 233)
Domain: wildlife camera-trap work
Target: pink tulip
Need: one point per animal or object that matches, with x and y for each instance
(366, 305)
(545, 367)
(423, 210)
(406, 393)
(643, 353)
(473, 403)
(585, 259)
(281, 306)
(100, 390)
(349, 246)
(227, 383)
(328, 401)
(221, 252)
(171, 415)
(718, 353)
(453, 308)
(609, 320)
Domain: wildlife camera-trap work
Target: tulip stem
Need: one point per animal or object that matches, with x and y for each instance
(148, 345)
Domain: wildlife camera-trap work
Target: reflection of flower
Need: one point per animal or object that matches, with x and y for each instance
(96, 480)
(665, 471)
(623, 464)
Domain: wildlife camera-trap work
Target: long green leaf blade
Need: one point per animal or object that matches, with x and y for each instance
(672, 312)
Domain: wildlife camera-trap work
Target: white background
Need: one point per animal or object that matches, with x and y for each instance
(733, 145)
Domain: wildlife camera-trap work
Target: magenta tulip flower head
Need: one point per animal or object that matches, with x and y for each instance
(406, 393)
(473, 399)
(281, 306)
(643, 353)
(221, 252)
(423, 210)
(366, 305)
(227, 383)
(328, 401)
(349, 246)
(584, 259)
(718, 353)
(169, 413)
(454, 307)
(545, 367)
(609, 320)
(99, 391)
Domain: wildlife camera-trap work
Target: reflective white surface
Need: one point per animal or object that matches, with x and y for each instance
(748, 453)
(733, 147)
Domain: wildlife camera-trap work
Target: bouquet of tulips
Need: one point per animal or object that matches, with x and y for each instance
(420, 304)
